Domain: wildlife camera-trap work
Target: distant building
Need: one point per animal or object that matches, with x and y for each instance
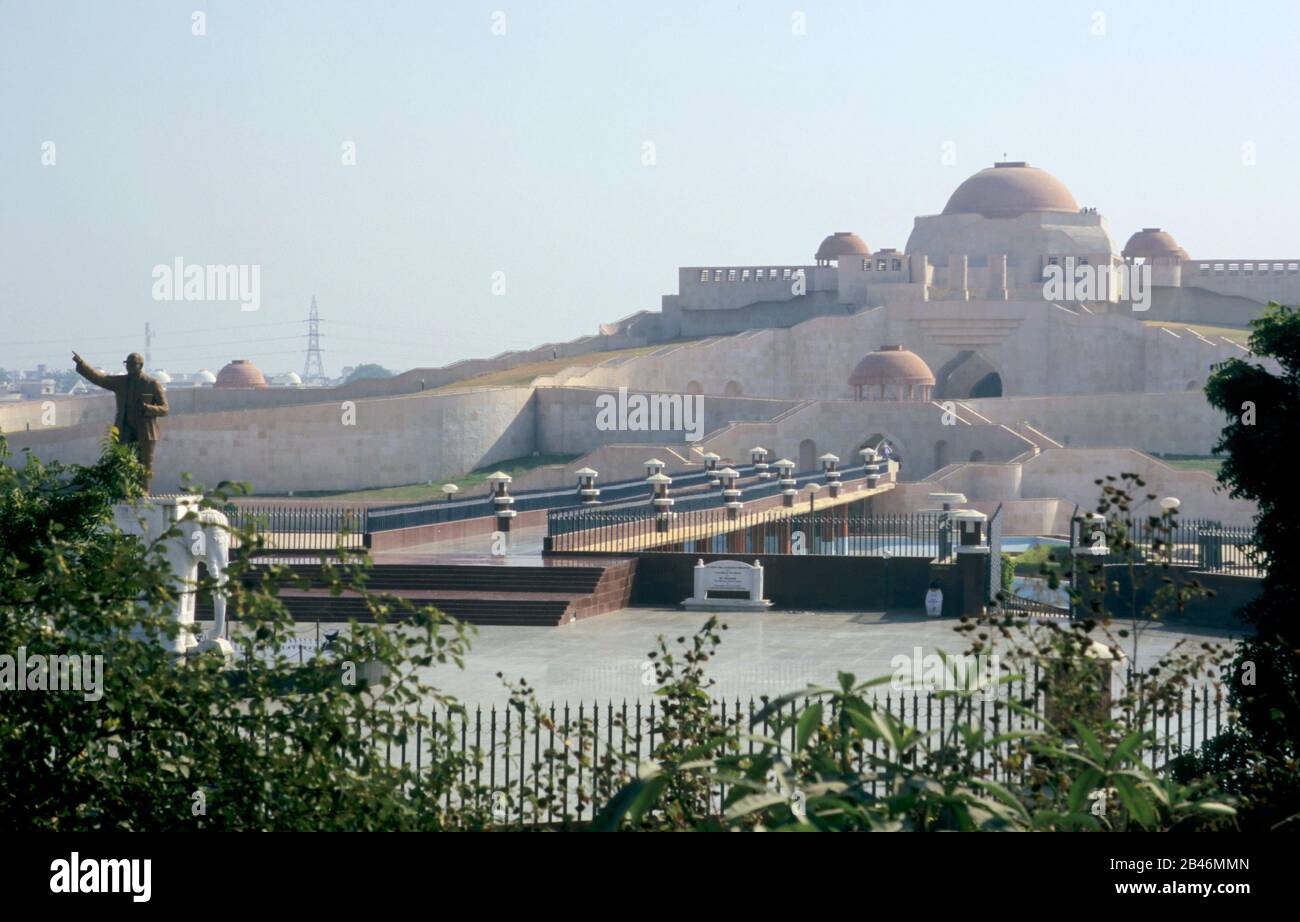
(1002, 232)
(240, 373)
(32, 388)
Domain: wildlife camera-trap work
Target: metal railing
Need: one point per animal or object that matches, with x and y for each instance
(835, 531)
(302, 528)
(434, 512)
(513, 759)
(1201, 544)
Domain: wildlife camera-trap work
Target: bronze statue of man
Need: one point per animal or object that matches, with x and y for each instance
(140, 401)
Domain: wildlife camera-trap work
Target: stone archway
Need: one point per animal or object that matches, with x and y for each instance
(732, 389)
(694, 387)
(808, 455)
(875, 440)
(968, 374)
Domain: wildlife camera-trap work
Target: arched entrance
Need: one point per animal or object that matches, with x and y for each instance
(694, 387)
(968, 374)
(876, 440)
(807, 455)
(732, 389)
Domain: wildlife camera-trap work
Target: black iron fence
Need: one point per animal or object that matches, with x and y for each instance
(1202, 544)
(523, 766)
(835, 531)
(302, 528)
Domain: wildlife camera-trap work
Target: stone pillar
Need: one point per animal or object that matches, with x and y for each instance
(969, 525)
(711, 460)
(785, 469)
(1089, 550)
(587, 492)
(972, 558)
(870, 460)
(832, 474)
(998, 277)
(919, 272)
(502, 501)
(957, 277)
(730, 495)
(662, 502)
(946, 502)
(652, 467)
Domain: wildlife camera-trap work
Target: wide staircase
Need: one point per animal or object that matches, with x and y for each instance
(546, 594)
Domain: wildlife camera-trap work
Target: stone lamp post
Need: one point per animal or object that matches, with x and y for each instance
(502, 501)
(662, 502)
(587, 491)
(830, 464)
(785, 470)
(870, 458)
(730, 495)
(711, 460)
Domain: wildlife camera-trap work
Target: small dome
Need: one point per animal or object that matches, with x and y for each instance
(240, 373)
(1008, 189)
(162, 377)
(841, 243)
(891, 365)
(1151, 242)
(205, 377)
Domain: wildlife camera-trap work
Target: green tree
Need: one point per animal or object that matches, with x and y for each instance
(1260, 758)
(364, 372)
(183, 743)
(176, 744)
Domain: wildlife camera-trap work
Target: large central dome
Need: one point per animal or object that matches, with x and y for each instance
(1006, 190)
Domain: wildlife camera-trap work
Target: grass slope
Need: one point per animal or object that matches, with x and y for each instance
(419, 492)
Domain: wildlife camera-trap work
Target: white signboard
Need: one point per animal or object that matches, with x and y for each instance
(728, 585)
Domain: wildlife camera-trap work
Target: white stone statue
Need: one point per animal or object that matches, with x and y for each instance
(203, 538)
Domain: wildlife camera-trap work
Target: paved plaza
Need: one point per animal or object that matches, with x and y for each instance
(605, 658)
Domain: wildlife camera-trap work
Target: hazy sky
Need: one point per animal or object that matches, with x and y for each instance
(522, 153)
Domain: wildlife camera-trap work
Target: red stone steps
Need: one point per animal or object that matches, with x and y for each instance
(484, 594)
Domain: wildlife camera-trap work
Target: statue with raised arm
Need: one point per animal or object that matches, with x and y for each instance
(140, 401)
